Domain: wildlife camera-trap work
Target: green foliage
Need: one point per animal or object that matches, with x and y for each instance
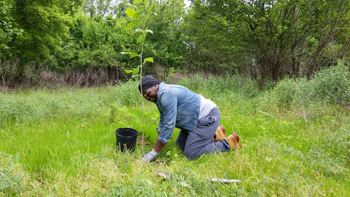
(333, 84)
(102, 8)
(128, 93)
(7, 31)
(206, 47)
(96, 42)
(61, 36)
(263, 39)
(268, 39)
(329, 85)
(10, 175)
(167, 48)
(45, 25)
(285, 93)
(218, 88)
(140, 16)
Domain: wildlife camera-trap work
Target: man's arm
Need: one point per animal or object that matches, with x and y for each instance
(168, 119)
(159, 145)
(169, 110)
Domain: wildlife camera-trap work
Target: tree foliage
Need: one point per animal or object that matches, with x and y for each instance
(263, 39)
(104, 7)
(45, 24)
(7, 30)
(277, 37)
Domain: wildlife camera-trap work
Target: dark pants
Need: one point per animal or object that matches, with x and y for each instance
(201, 140)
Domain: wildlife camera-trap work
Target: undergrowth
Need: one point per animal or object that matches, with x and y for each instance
(295, 137)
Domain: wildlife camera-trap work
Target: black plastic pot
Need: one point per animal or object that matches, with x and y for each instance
(126, 139)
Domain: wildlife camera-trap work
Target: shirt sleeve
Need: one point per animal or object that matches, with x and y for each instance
(160, 126)
(168, 112)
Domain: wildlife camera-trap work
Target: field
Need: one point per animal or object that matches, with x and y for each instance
(61, 142)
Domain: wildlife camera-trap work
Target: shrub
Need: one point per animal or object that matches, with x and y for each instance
(333, 84)
(330, 85)
(128, 93)
(216, 86)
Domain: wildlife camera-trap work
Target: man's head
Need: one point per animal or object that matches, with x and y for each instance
(149, 88)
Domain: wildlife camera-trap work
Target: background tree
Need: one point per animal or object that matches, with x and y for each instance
(209, 40)
(279, 37)
(104, 7)
(7, 30)
(264, 39)
(44, 24)
(167, 45)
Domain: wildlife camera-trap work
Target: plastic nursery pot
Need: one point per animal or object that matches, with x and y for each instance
(126, 139)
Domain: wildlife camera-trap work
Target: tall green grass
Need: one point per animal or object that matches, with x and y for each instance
(295, 137)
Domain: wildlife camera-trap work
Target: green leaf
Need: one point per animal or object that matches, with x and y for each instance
(140, 39)
(134, 55)
(150, 31)
(138, 30)
(124, 53)
(137, 14)
(136, 71)
(134, 76)
(137, 1)
(155, 13)
(150, 59)
(128, 71)
(130, 12)
(131, 24)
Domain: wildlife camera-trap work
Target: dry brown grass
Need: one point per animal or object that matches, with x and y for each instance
(14, 76)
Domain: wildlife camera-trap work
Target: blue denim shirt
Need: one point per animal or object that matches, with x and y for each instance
(178, 107)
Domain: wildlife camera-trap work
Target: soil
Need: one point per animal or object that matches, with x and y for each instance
(146, 142)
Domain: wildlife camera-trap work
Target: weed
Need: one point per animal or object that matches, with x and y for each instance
(10, 175)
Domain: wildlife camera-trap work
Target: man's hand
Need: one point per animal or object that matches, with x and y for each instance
(150, 156)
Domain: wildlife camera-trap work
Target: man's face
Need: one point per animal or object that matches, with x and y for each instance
(151, 93)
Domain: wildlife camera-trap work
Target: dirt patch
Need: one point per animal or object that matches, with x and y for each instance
(146, 142)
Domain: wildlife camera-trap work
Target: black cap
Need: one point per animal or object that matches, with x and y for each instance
(147, 82)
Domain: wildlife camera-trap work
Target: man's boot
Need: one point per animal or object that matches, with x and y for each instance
(233, 141)
(220, 133)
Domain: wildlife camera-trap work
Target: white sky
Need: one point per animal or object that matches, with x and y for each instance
(188, 3)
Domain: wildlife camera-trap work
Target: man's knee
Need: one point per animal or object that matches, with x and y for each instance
(191, 155)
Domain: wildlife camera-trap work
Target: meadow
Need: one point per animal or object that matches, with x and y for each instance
(295, 136)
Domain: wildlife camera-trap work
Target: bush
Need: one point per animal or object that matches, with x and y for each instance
(216, 87)
(329, 85)
(332, 84)
(128, 93)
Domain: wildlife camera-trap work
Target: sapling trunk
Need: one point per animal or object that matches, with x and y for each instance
(131, 12)
(143, 107)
